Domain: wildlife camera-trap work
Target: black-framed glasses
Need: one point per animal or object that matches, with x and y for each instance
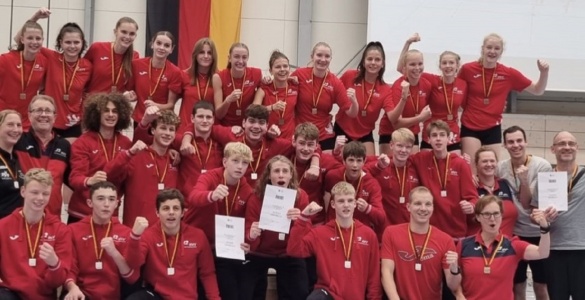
(487, 215)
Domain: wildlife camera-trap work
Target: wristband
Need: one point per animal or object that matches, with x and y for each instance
(545, 230)
(456, 273)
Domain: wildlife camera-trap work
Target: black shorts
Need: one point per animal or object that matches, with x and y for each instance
(488, 136)
(538, 267)
(387, 138)
(364, 139)
(450, 148)
(70, 132)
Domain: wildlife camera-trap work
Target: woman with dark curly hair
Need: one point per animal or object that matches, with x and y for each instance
(105, 115)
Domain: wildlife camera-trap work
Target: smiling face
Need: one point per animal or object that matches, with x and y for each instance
(36, 196)
(280, 69)
(321, 58)
(162, 46)
(413, 65)
(125, 34)
(164, 134)
(42, 115)
(449, 65)
(205, 57)
(516, 144)
(71, 44)
(400, 150)
(238, 59)
(32, 39)
(565, 147)
(202, 120)
(492, 50)
(373, 62)
(420, 207)
(10, 129)
(109, 117)
(304, 149)
(254, 128)
(486, 163)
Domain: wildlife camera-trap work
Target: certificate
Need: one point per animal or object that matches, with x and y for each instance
(277, 201)
(229, 234)
(552, 190)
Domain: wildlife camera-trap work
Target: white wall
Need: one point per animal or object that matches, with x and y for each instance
(549, 29)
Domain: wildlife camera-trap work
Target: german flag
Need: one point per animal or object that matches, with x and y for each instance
(190, 20)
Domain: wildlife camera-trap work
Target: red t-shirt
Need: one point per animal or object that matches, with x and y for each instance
(498, 284)
(503, 190)
(289, 95)
(69, 111)
(102, 76)
(380, 98)
(416, 101)
(247, 84)
(412, 284)
(478, 115)
(154, 83)
(444, 102)
(11, 82)
(201, 90)
(333, 92)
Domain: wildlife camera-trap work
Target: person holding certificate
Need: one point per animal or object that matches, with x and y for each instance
(174, 256)
(36, 245)
(268, 248)
(416, 255)
(224, 191)
(346, 250)
(488, 259)
(98, 276)
(565, 264)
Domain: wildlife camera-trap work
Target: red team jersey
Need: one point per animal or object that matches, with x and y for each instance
(247, 84)
(325, 92)
(41, 281)
(477, 115)
(377, 96)
(201, 90)
(89, 155)
(448, 215)
(410, 283)
(16, 79)
(193, 262)
(289, 95)
(445, 101)
(415, 102)
(396, 184)
(107, 68)
(143, 175)
(97, 284)
(499, 283)
(202, 209)
(362, 280)
(66, 83)
(269, 243)
(153, 83)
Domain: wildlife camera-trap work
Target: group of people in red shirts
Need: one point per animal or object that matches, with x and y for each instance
(419, 221)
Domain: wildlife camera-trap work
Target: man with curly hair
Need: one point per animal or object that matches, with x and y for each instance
(104, 117)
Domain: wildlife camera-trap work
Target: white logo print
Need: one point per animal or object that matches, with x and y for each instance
(143, 73)
(104, 58)
(29, 147)
(334, 238)
(476, 75)
(94, 151)
(149, 166)
(85, 238)
(13, 237)
(159, 244)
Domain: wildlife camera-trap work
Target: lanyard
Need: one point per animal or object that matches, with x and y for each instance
(487, 263)
(416, 104)
(316, 101)
(442, 181)
(199, 89)
(32, 249)
(160, 179)
(255, 168)
(108, 158)
(170, 259)
(346, 249)
(239, 100)
(369, 97)
(449, 105)
(151, 91)
(306, 168)
(285, 96)
(401, 180)
(229, 208)
(115, 79)
(418, 255)
(67, 86)
(99, 254)
(13, 174)
(357, 188)
(203, 163)
(24, 85)
(487, 92)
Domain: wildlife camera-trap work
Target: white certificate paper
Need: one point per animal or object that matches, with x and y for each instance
(552, 190)
(277, 201)
(229, 234)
